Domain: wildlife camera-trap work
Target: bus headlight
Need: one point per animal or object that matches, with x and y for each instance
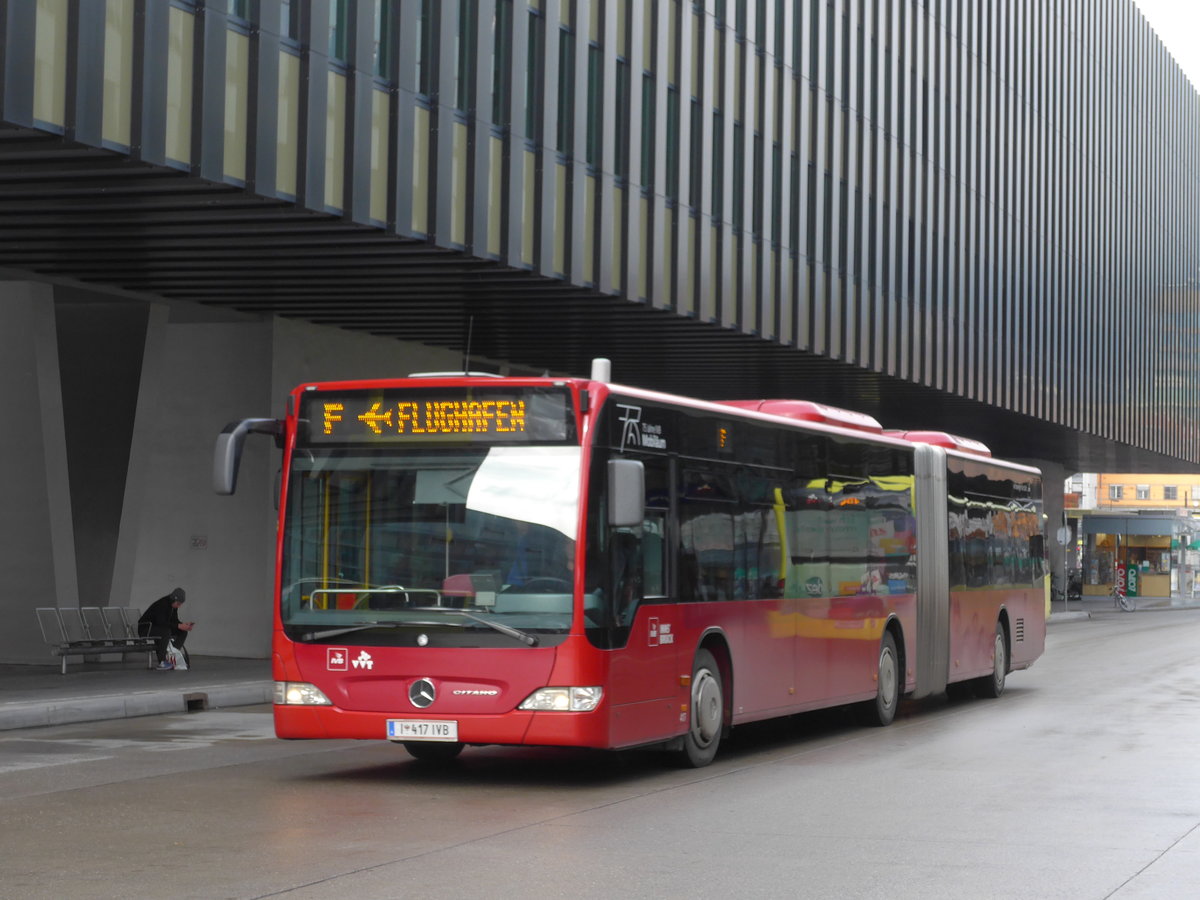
(299, 693)
(563, 699)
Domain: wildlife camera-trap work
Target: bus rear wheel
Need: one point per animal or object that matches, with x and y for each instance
(433, 751)
(993, 685)
(707, 713)
(882, 710)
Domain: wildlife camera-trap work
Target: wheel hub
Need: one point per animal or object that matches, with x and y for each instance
(706, 707)
(887, 679)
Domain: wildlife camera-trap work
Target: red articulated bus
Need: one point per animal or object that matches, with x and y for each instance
(467, 559)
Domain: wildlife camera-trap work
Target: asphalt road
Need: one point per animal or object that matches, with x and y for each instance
(1082, 781)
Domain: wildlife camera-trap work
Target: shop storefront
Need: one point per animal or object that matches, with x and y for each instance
(1151, 554)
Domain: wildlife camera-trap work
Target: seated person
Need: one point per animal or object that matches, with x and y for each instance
(161, 622)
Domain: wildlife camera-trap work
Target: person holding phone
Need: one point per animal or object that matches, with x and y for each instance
(161, 622)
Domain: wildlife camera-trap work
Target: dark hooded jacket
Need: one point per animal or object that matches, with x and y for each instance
(162, 612)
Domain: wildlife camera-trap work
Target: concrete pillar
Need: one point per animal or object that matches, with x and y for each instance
(101, 343)
(1053, 477)
(37, 544)
(175, 532)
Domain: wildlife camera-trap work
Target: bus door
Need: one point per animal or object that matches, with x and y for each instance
(644, 671)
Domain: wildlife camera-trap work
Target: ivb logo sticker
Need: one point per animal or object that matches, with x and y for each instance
(659, 633)
(336, 659)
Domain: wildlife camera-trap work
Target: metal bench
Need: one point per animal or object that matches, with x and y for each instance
(92, 630)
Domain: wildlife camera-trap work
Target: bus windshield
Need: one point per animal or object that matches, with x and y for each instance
(402, 547)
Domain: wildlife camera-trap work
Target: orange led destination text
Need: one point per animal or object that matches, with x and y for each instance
(434, 417)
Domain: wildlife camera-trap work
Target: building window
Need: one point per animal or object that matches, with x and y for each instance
(566, 92)
(672, 185)
(289, 19)
(595, 105)
(239, 9)
(648, 120)
(718, 165)
(739, 184)
(425, 56)
(1143, 492)
(1170, 492)
(337, 30)
(1116, 491)
(534, 76)
(384, 36)
(502, 63)
(621, 125)
(465, 94)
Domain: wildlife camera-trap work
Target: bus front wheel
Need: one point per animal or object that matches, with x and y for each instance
(706, 715)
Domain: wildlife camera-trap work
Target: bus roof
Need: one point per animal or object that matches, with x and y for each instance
(944, 439)
(809, 411)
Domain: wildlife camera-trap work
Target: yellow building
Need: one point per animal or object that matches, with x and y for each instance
(1141, 491)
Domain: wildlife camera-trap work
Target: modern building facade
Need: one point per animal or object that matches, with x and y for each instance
(971, 216)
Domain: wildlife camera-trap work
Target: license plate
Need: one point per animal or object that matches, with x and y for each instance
(422, 730)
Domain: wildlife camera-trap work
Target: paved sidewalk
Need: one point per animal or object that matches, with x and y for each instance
(33, 695)
(1088, 607)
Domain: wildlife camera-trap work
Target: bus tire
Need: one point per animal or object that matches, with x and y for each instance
(706, 713)
(882, 710)
(992, 686)
(433, 751)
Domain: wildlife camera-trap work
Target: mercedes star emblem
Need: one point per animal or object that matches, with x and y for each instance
(422, 693)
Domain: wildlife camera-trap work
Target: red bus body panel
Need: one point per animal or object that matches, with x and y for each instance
(973, 618)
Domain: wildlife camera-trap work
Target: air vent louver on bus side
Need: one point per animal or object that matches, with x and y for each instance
(1019, 631)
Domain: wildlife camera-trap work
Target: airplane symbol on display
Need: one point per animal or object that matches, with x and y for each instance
(372, 417)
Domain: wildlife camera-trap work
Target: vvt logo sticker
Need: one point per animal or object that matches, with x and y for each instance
(363, 661)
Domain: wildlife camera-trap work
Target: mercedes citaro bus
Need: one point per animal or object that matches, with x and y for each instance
(469, 559)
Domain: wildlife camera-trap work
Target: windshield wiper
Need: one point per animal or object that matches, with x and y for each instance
(523, 636)
(357, 626)
(508, 630)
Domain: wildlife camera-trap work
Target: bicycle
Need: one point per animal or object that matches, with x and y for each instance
(1122, 601)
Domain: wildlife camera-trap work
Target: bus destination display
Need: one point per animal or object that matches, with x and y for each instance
(406, 416)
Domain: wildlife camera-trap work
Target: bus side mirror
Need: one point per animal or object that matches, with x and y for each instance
(626, 493)
(227, 455)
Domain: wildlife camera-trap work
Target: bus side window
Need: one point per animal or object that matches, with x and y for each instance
(654, 583)
(638, 565)
(625, 555)
(706, 536)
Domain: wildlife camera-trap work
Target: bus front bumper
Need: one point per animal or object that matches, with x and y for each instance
(550, 729)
